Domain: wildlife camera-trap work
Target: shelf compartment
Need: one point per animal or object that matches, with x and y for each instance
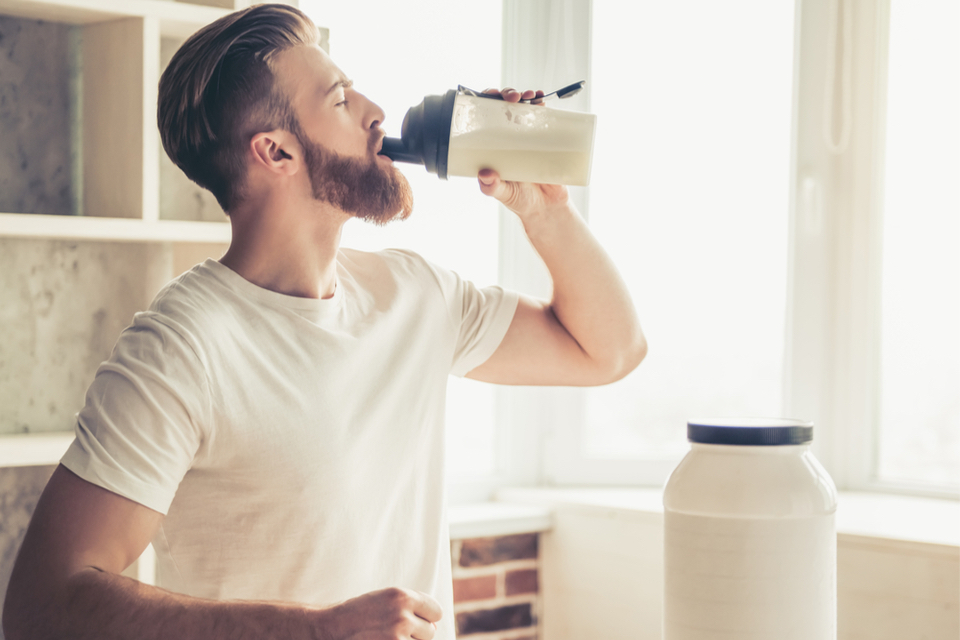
(120, 63)
(91, 113)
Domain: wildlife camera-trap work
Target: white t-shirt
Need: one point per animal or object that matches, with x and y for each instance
(295, 445)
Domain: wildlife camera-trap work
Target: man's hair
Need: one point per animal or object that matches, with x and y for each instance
(219, 91)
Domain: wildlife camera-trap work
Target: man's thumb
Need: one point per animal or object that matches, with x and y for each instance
(490, 182)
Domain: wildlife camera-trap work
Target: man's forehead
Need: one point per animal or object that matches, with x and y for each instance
(304, 69)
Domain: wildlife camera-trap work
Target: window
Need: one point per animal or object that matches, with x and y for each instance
(769, 186)
(690, 195)
(781, 266)
(919, 416)
(849, 316)
(378, 44)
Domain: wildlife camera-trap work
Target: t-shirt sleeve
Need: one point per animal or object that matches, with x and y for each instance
(480, 316)
(486, 314)
(142, 422)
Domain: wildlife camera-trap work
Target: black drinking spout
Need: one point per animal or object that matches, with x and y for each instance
(424, 135)
(394, 149)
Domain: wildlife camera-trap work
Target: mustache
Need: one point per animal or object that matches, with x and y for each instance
(376, 140)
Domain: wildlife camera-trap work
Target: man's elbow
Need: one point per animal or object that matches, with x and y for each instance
(624, 361)
(638, 353)
(633, 356)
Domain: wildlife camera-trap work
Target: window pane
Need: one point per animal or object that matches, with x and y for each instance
(920, 381)
(689, 194)
(378, 44)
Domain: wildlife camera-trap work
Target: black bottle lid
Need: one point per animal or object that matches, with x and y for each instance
(750, 431)
(425, 134)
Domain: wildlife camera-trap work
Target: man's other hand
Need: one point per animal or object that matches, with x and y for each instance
(387, 614)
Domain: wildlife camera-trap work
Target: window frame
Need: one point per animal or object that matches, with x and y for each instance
(832, 337)
(833, 341)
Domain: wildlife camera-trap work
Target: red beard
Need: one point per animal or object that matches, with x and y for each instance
(361, 187)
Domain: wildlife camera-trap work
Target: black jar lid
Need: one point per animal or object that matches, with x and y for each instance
(750, 431)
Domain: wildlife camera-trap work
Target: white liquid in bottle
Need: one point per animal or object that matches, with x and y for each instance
(522, 142)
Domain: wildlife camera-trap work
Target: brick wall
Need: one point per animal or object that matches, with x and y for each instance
(496, 589)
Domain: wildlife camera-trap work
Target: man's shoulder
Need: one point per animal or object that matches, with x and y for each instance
(195, 299)
(383, 258)
(181, 290)
(403, 266)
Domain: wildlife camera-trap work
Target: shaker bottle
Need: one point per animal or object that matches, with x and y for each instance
(749, 535)
(463, 131)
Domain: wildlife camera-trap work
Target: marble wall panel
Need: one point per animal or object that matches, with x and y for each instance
(20, 488)
(38, 147)
(62, 306)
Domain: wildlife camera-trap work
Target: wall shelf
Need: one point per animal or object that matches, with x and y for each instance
(54, 227)
(492, 519)
(32, 449)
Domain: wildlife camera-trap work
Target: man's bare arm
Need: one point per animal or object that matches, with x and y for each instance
(66, 584)
(588, 333)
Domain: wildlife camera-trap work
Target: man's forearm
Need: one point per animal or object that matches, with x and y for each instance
(96, 605)
(590, 298)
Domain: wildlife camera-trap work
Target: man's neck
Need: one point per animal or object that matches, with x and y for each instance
(289, 249)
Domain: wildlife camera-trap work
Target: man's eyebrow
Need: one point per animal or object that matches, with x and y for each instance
(343, 82)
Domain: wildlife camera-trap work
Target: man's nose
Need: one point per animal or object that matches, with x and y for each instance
(374, 115)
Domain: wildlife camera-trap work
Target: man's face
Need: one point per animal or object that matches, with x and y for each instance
(346, 170)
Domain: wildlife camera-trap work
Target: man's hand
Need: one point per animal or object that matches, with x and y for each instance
(523, 198)
(388, 614)
(520, 197)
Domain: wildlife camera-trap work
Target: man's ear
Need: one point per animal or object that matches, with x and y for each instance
(276, 151)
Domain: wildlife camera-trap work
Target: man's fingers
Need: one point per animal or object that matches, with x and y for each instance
(512, 95)
(488, 180)
(427, 608)
(387, 613)
(491, 184)
(427, 631)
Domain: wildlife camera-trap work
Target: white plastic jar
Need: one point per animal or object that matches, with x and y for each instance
(749, 535)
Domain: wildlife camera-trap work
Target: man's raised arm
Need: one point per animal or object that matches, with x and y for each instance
(588, 333)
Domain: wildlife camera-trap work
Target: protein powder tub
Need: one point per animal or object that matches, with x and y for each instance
(750, 543)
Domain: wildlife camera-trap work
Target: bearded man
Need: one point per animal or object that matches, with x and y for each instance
(273, 423)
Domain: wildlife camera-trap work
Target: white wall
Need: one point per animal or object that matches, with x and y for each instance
(601, 573)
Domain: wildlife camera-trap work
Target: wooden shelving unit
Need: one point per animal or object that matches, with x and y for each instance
(71, 282)
(120, 67)
(118, 181)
